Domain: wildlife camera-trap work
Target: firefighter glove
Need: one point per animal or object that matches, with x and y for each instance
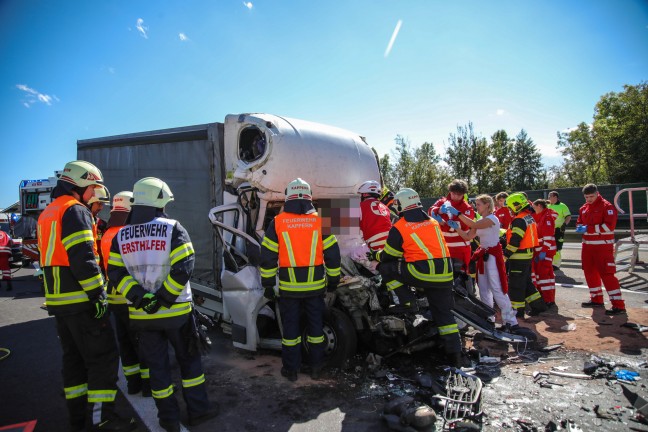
(453, 224)
(541, 256)
(150, 303)
(372, 255)
(580, 229)
(100, 305)
(269, 293)
(448, 209)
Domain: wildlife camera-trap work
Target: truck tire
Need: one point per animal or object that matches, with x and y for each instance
(340, 339)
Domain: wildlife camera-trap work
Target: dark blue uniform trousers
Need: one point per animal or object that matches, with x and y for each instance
(154, 350)
(291, 341)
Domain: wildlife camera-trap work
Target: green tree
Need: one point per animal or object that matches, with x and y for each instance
(403, 163)
(386, 172)
(428, 177)
(585, 158)
(467, 157)
(621, 128)
(500, 152)
(526, 163)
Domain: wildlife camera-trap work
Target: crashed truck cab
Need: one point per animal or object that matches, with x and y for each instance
(262, 154)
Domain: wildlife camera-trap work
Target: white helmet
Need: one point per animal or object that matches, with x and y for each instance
(298, 189)
(370, 187)
(407, 199)
(81, 174)
(100, 195)
(122, 201)
(151, 192)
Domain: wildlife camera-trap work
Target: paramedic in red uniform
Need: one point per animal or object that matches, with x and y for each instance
(597, 219)
(375, 222)
(459, 248)
(5, 254)
(542, 267)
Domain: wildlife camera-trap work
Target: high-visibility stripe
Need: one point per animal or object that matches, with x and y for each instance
(145, 373)
(302, 286)
(92, 283)
(433, 277)
(115, 259)
(269, 244)
(176, 309)
(333, 271)
(131, 370)
(76, 391)
(517, 305)
(181, 252)
(101, 396)
(291, 342)
(186, 383)
(328, 242)
(391, 251)
(164, 393)
(172, 286)
(392, 285)
(535, 296)
(49, 252)
(66, 299)
(77, 237)
(420, 244)
(126, 284)
(291, 256)
(448, 329)
(266, 273)
(315, 339)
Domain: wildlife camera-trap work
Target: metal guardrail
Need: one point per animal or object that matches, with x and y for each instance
(631, 243)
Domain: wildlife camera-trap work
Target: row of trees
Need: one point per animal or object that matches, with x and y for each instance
(614, 149)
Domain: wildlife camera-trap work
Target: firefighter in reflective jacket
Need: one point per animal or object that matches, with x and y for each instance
(597, 219)
(375, 222)
(137, 375)
(522, 239)
(75, 295)
(151, 261)
(416, 255)
(5, 254)
(308, 265)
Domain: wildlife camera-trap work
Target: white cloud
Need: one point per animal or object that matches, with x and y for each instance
(500, 112)
(248, 5)
(142, 28)
(33, 96)
(183, 37)
(393, 38)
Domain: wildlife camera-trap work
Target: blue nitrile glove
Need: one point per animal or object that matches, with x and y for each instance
(626, 375)
(580, 229)
(436, 217)
(448, 209)
(541, 256)
(453, 224)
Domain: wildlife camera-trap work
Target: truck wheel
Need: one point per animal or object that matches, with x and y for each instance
(340, 340)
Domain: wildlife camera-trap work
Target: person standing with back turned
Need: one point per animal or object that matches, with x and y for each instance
(75, 295)
(151, 261)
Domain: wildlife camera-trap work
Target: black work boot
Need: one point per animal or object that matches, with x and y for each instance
(591, 304)
(134, 385)
(170, 426)
(115, 424)
(291, 375)
(209, 414)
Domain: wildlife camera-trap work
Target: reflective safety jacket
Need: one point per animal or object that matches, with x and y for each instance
(307, 260)
(153, 257)
(545, 221)
(600, 218)
(418, 240)
(459, 248)
(67, 256)
(114, 297)
(375, 223)
(562, 212)
(522, 236)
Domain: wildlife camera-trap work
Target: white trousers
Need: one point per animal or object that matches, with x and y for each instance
(490, 288)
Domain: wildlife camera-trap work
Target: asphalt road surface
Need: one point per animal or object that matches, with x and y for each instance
(247, 386)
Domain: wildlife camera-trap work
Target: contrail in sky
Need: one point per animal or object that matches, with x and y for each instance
(393, 38)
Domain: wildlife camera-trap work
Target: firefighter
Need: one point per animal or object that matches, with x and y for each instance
(597, 219)
(459, 248)
(387, 198)
(416, 255)
(96, 203)
(151, 261)
(375, 222)
(542, 268)
(562, 220)
(5, 254)
(307, 262)
(136, 373)
(522, 239)
(75, 295)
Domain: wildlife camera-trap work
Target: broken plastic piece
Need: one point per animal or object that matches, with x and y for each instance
(568, 327)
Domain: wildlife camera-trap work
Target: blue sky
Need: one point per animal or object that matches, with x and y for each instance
(79, 69)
